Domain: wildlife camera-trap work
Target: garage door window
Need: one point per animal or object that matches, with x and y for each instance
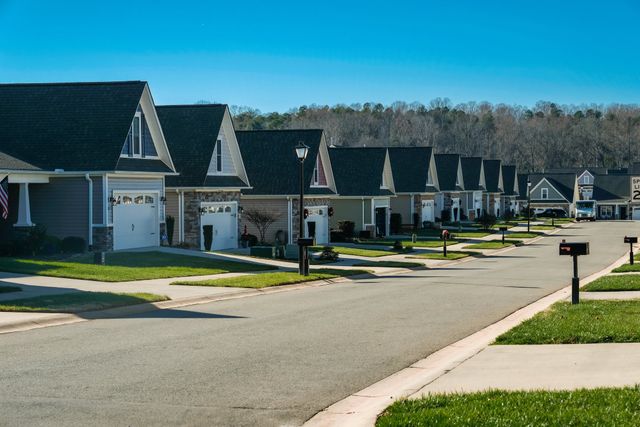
(149, 200)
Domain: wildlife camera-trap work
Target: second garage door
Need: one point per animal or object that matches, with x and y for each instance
(223, 216)
(135, 221)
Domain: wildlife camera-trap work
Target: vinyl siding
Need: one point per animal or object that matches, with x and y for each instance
(62, 206)
(536, 193)
(402, 205)
(349, 210)
(135, 185)
(278, 207)
(172, 209)
(228, 167)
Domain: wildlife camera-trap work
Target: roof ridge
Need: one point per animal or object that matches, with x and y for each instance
(114, 82)
(280, 130)
(191, 105)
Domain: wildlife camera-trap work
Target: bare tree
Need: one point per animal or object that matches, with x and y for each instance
(262, 220)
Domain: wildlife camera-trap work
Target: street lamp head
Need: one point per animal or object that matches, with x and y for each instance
(301, 151)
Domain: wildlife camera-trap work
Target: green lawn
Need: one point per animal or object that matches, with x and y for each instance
(451, 255)
(542, 227)
(390, 264)
(591, 321)
(597, 407)
(76, 302)
(124, 266)
(493, 244)
(405, 243)
(626, 268)
(623, 282)
(463, 233)
(345, 250)
(523, 235)
(265, 280)
(5, 289)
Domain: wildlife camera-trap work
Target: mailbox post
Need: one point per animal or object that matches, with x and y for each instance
(503, 229)
(574, 250)
(631, 241)
(304, 244)
(445, 236)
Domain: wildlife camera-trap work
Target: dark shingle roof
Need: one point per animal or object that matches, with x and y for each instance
(579, 170)
(563, 182)
(522, 185)
(492, 175)
(410, 166)
(191, 132)
(611, 187)
(142, 165)
(71, 126)
(471, 170)
(358, 171)
(509, 180)
(271, 163)
(447, 167)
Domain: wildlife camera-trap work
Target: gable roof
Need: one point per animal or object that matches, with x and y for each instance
(358, 170)
(448, 166)
(472, 171)
(492, 174)
(565, 183)
(191, 132)
(509, 180)
(271, 163)
(593, 170)
(70, 126)
(611, 187)
(410, 166)
(522, 186)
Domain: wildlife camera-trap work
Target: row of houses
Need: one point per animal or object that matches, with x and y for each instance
(103, 162)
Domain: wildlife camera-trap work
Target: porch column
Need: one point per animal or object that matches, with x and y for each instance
(24, 208)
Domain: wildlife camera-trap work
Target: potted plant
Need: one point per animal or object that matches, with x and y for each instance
(207, 230)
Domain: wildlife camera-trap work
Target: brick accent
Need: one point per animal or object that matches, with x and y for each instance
(192, 202)
(295, 226)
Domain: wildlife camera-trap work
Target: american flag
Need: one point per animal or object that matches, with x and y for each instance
(4, 197)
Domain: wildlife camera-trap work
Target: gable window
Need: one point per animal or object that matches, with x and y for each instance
(136, 135)
(429, 179)
(316, 173)
(139, 142)
(544, 193)
(219, 156)
(384, 185)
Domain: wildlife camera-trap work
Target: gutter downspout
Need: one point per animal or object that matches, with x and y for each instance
(90, 182)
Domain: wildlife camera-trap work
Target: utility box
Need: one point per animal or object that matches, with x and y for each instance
(263, 251)
(629, 239)
(503, 228)
(306, 241)
(574, 248)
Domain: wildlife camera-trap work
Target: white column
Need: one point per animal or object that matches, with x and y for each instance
(24, 208)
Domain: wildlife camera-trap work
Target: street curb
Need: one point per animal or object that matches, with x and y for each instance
(362, 408)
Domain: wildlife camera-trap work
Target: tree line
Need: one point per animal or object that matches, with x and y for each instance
(545, 136)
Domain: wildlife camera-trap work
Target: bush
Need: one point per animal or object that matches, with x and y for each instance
(250, 239)
(170, 221)
(338, 236)
(487, 221)
(395, 223)
(397, 245)
(347, 228)
(35, 239)
(328, 254)
(445, 215)
(51, 246)
(73, 245)
(365, 234)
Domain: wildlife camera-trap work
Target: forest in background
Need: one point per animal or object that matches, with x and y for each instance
(545, 136)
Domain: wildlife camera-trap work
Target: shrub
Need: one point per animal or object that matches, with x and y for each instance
(170, 223)
(51, 246)
(328, 254)
(338, 236)
(416, 221)
(73, 245)
(395, 223)
(35, 239)
(397, 245)
(445, 215)
(347, 228)
(365, 234)
(487, 221)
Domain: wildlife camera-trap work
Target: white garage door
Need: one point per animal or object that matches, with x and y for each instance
(135, 220)
(427, 211)
(223, 217)
(317, 224)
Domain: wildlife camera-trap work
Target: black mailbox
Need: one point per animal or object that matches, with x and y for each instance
(574, 249)
(503, 228)
(305, 241)
(629, 239)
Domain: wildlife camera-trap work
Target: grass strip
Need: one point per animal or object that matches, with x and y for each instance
(125, 266)
(451, 255)
(76, 302)
(595, 407)
(493, 244)
(347, 250)
(405, 243)
(390, 264)
(265, 280)
(612, 283)
(591, 321)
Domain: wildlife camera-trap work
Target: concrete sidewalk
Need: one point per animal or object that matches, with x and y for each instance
(549, 367)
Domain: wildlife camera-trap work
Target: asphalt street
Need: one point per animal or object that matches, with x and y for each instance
(275, 359)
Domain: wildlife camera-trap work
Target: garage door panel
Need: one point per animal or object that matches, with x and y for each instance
(224, 219)
(135, 221)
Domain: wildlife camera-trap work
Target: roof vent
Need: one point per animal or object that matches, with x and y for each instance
(58, 170)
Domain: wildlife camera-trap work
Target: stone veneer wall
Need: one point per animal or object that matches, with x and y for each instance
(192, 200)
(102, 239)
(295, 226)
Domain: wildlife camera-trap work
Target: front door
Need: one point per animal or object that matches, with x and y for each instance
(623, 212)
(381, 222)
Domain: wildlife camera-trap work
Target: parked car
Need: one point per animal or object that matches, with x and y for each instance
(553, 213)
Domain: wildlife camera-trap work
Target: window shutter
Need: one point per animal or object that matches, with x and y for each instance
(143, 135)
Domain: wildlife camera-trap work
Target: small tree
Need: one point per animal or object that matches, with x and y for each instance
(487, 221)
(262, 220)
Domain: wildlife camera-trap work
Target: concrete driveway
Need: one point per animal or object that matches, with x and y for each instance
(275, 359)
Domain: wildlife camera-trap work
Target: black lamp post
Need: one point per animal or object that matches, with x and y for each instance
(528, 205)
(301, 152)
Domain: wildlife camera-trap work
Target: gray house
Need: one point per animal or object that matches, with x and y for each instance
(495, 186)
(416, 184)
(511, 189)
(554, 191)
(205, 151)
(474, 186)
(86, 160)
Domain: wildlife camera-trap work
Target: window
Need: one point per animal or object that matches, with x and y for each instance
(384, 181)
(219, 156)
(429, 179)
(545, 193)
(316, 180)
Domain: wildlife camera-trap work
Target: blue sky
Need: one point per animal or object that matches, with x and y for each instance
(278, 55)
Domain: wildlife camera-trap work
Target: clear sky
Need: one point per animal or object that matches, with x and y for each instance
(274, 55)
